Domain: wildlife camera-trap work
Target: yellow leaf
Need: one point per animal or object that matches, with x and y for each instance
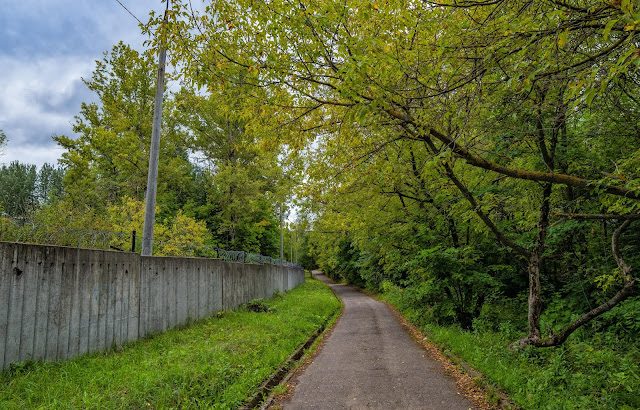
(629, 27)
(562, 38)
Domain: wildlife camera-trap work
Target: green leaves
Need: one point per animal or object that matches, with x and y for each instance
(608, 27)
(18, 184)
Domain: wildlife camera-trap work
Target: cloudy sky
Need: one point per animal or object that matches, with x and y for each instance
(46, 47)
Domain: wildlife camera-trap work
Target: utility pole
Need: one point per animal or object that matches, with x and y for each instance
(281, 237)
(154, 152)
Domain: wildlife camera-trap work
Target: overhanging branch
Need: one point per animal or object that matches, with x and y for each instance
(480, 162)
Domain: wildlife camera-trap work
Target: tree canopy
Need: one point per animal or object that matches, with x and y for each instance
(423, 123)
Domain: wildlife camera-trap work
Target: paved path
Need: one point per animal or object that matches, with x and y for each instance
(370, 361)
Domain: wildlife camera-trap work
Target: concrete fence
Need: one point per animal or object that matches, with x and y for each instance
(59, 302)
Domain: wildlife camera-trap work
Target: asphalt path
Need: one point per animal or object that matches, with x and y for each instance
(370, 361)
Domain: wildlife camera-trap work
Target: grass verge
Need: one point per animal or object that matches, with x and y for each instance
(596, 372)
(577, 375)
(214, 363)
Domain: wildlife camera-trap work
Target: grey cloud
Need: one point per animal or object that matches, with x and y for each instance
(47, 47)
(65, 103)
(68, 27)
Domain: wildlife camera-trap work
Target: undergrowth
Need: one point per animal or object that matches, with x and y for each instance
(214, 363)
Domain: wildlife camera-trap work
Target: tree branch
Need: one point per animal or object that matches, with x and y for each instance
(476, 208)
(630, 217)
(489, 165)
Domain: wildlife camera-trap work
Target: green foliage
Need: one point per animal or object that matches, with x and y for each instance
(24, 188)
(50, 187)
(109, 158)
(178, 236)
(621, 323)
(229, 202)
(215, 363)
(242, 175)
(590, 374)
(18, 189)
(596, 368)
(451, 282)
(307, 258)
(3, 141)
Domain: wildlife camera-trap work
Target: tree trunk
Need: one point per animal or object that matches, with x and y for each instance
(535, 261)
(628, 289)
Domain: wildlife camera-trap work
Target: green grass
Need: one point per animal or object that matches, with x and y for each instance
(214, 363)
(595, 370)
(577, 375)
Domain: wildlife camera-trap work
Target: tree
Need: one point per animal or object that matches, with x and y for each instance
(24, 188)
(179, 236)
(3, 141)
(50, 183)
(240, 173)
(109, 159)
(492, 90)
(17, 189)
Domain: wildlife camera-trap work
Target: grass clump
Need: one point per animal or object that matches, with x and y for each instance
(258, 306)
(214, 363)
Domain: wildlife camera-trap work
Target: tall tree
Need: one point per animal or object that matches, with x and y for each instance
(50, 183)
(240, 172)
(108, 160)
(18, 189)
(3, 141)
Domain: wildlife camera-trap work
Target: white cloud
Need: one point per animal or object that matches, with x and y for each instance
(40, 99)
(31, 154)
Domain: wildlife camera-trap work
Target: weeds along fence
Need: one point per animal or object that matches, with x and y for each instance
(58, 302)
(25, 231)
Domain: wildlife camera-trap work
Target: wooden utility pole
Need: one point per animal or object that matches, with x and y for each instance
(154, 152)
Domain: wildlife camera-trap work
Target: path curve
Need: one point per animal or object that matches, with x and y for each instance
(370, 361)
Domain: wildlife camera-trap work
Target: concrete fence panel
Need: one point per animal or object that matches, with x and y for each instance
(232, 292)
(14, 278)
(59, 302)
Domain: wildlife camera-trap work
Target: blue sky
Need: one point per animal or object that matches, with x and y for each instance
(46, 47)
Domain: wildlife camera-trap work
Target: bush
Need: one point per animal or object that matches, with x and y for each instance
(258, 306)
